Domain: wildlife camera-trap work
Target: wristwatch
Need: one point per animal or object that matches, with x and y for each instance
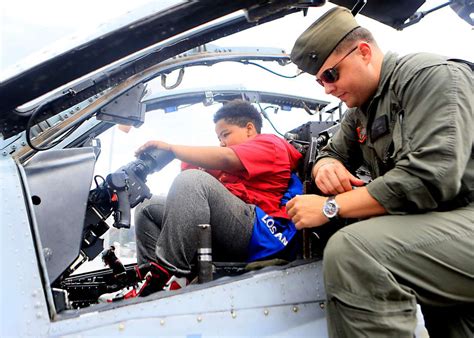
(331, 208)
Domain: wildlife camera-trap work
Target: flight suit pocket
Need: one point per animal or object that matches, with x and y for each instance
(389, 147)
(382, 143)
(397, 137)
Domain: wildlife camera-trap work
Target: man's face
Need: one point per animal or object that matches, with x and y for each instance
(353, 84)
(231, 134)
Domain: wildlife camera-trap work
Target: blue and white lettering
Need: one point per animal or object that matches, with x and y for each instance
(270, 223)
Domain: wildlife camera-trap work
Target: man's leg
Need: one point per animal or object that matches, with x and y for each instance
(148, 220)
(376, 270)
(196, 197)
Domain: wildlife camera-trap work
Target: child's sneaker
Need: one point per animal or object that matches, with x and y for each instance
(176, 283)
(125, 293)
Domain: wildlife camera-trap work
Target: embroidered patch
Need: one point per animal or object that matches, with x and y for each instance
(361, 132)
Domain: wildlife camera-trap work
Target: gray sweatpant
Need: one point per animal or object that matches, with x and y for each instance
(166, 227)
(377, 270)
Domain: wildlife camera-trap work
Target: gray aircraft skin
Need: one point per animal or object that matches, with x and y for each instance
(50, 117)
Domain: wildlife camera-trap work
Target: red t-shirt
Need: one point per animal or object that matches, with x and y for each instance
(268, 161)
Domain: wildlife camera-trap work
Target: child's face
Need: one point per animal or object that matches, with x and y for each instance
(231, 134)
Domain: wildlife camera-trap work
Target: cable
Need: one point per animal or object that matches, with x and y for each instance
(52, 145)
(269, 70)
(97, 183)
(31, 123)
(265, 115)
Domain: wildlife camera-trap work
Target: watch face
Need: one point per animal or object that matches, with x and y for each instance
(330, 208)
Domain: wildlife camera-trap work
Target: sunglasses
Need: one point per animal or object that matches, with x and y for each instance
(331, 75)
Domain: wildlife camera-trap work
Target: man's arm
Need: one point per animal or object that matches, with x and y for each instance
(221, 158)
(435, 150)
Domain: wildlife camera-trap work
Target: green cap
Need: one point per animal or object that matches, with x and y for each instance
(316, 43)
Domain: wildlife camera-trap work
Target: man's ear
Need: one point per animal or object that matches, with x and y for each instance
(366, 51)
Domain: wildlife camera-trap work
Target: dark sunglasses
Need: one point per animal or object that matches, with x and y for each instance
(331, 75)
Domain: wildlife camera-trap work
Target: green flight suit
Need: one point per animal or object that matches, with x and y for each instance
(416, 137)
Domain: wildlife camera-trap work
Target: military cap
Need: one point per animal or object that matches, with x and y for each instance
(317, 42)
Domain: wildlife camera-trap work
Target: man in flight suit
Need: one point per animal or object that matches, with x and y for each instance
(410, 121)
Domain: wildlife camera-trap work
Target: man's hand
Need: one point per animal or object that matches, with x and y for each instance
(306, 211)
(153, 144)
(332, 178)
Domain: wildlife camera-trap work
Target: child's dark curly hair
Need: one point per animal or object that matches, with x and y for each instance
(239, 113)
